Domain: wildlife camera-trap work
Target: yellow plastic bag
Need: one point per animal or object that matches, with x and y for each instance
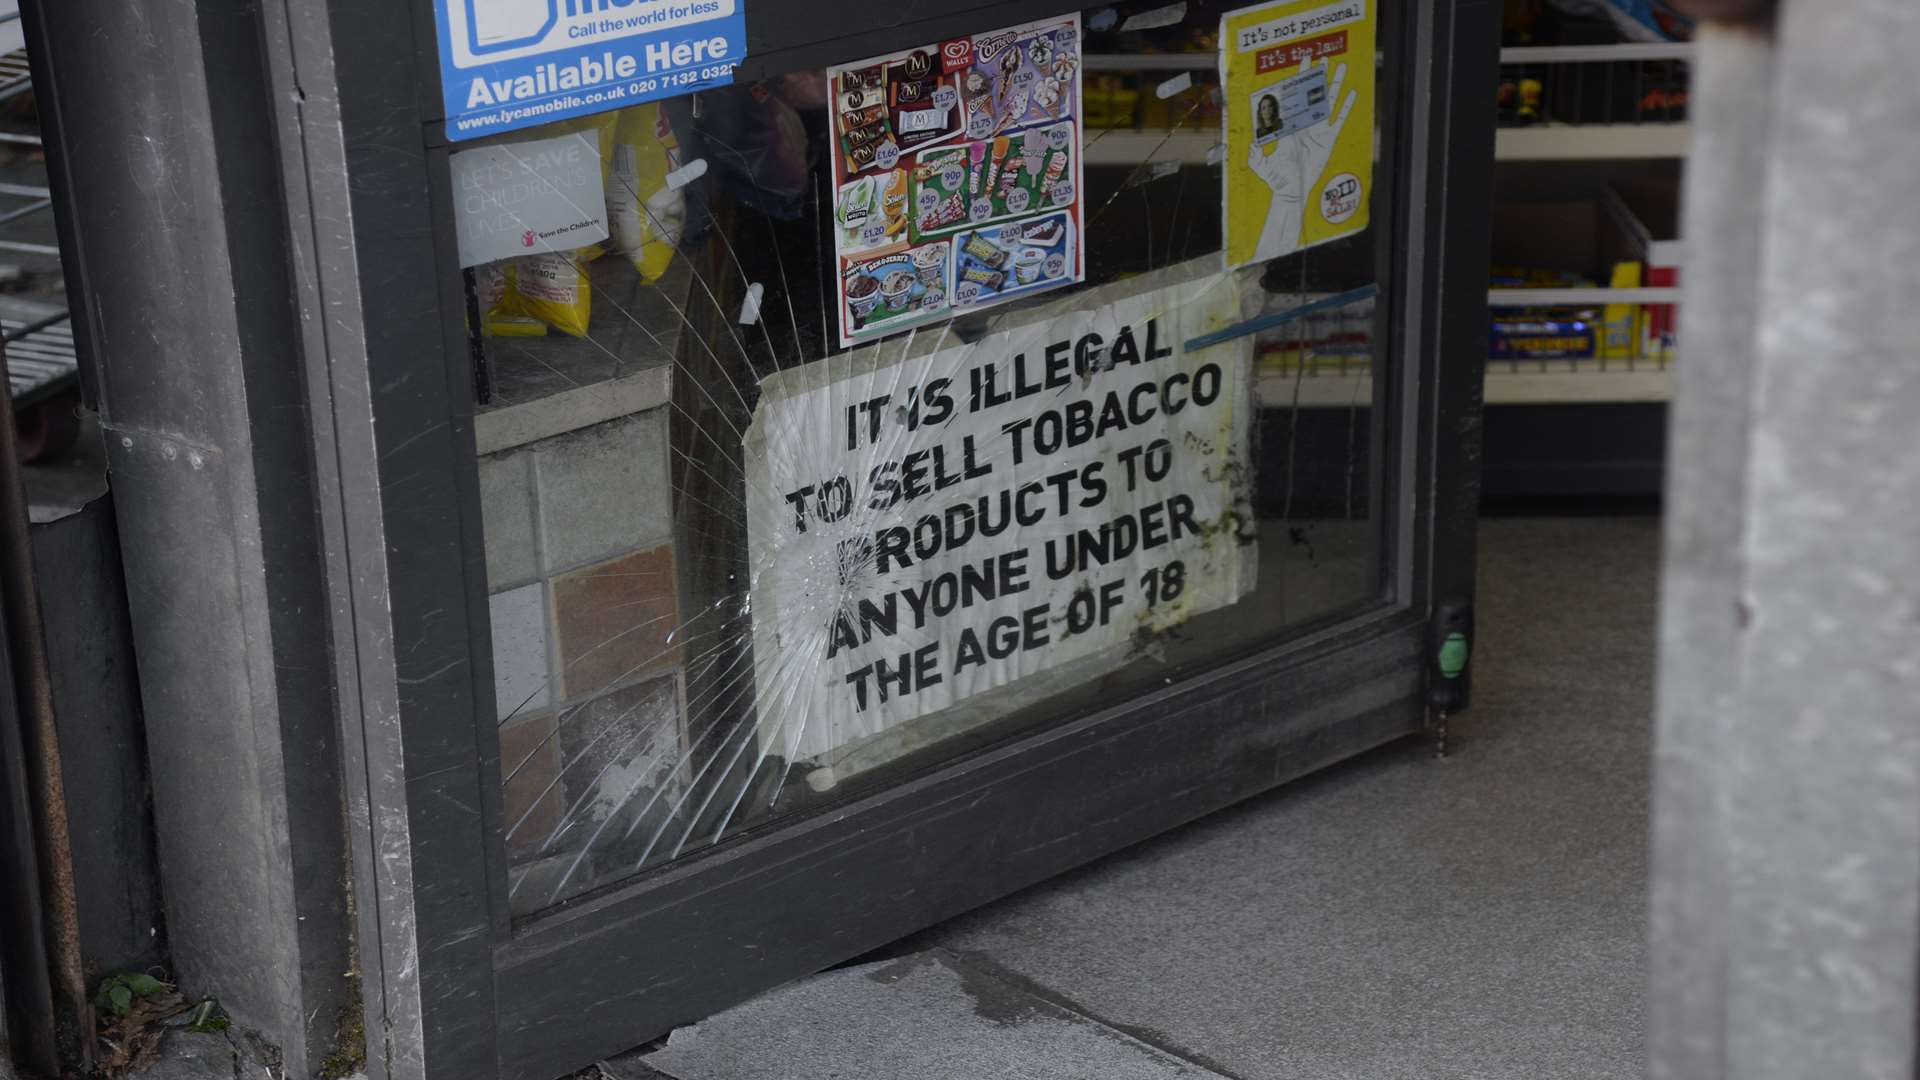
(603, 127)
(502, 324)
(552, 288)
(491, 285)
(644, 213)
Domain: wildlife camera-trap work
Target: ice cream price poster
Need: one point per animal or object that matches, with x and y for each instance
(1298, 80)
(957, 176)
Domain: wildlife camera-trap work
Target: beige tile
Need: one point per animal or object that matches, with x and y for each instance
(615, 621)
(521, 681)
(529, 765)
(622, 756)
(603, 490)
(506, 514)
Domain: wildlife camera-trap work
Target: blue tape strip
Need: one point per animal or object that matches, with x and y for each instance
(1281, 318)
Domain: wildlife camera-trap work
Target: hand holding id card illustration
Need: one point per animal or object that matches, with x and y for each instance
(1294, 132)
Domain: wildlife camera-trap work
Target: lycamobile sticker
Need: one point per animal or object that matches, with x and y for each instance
(507, 64)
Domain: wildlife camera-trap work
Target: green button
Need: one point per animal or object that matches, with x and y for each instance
(1453, 655)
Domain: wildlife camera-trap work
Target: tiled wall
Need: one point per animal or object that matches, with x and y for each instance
(587, 675)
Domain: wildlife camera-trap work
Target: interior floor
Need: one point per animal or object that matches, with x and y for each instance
(1478, 916)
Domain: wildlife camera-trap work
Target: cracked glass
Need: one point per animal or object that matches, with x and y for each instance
(832, 427)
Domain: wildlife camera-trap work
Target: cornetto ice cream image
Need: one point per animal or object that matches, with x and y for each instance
(973, 145)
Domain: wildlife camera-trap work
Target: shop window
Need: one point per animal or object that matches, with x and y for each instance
(836, 426)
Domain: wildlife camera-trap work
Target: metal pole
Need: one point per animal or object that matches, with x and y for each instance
(33, 694)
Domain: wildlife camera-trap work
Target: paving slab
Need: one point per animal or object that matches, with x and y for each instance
(921, 1015)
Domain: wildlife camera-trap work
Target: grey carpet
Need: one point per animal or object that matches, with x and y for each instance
(1394, 917)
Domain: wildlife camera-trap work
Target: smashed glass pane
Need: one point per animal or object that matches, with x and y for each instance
(836, 426)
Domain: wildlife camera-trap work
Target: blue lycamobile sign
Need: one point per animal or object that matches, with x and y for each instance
(507, 64)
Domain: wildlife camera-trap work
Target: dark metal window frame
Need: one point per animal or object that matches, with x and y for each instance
(451, 990)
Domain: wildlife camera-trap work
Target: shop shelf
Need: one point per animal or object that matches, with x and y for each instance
(1593, 102)
(1573, 130)
(1546, 142)
(1624, 52)
(547, 386)
(1594, 296)
(1196, 61)
(1326, 381)
(1509, 382)
(1591, 142)
(1129, 147)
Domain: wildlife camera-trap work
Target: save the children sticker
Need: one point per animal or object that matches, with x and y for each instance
(544, 196)
(1298, 79)
(956, 176)
(507, 64)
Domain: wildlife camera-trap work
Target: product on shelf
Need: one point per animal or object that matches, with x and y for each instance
(1621, 324)
(1544, 335)
(1647, 214)
(1112, 101)
(1546, 332)
(1519, 98)
(491, 281)
(645, 213)
(1338, 342)
(1617, 92)
(522, 297)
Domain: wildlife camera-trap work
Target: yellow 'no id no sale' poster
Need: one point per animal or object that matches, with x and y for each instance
(1298, 79)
